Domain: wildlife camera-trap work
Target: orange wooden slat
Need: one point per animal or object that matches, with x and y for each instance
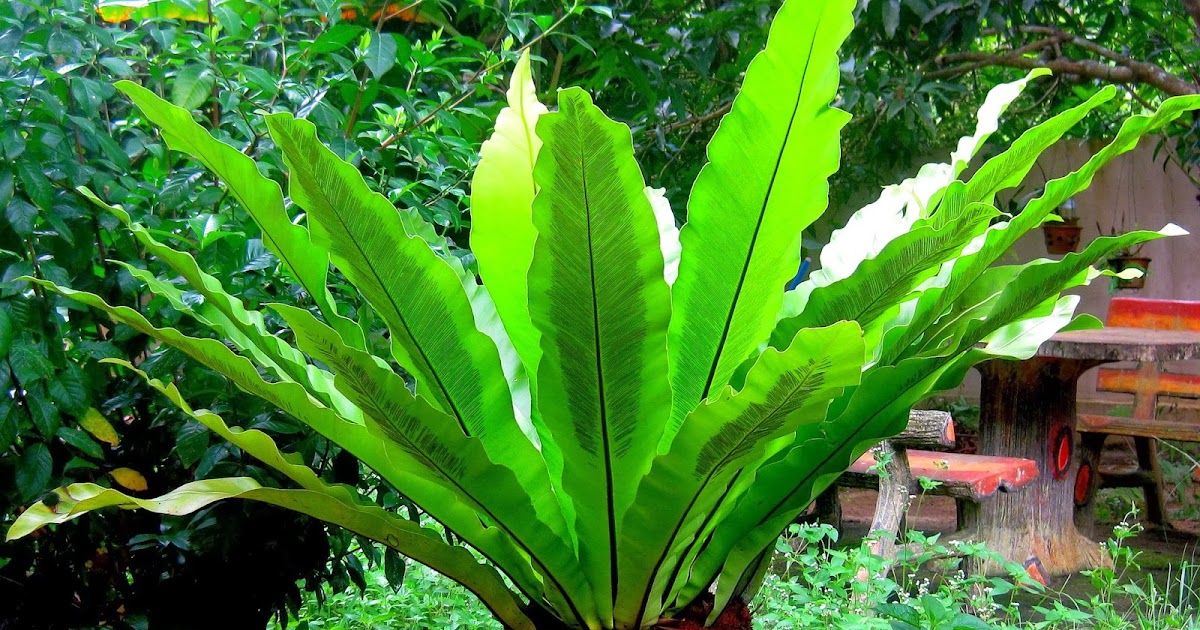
(1155, 314)
(984, 475)
(1163, 383)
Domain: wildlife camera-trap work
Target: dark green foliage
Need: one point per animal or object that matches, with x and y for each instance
(63, 125)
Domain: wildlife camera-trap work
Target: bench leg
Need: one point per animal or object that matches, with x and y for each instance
(829, 508)
(895, 493)
(1147, 455)
(966, 511)
(1087, 481)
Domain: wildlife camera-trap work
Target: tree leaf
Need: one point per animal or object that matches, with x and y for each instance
(68, 390)
(337, 37)
(6, 331)
(42, 410)
(191, 440)
(21, 215)
(81, 442)
(193, 85)
(129, 479)
(891, 17)
(9, 424)
(95, 423)
(33, 471)
(380, 53)
(393, 569)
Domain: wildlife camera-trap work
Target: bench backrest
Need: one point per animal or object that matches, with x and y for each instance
(1147, 382)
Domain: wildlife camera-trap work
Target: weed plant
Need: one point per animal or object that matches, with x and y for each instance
(815, 583)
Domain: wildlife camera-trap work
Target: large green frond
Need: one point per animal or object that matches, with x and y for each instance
(719, 441)
(521, 504)
(260, 196)
(901, 205)
(879, 408)
(882, 283)
(601, 305)
(766, 180)
(428, 489)
(935, 310)
(418, 295)
(421, 544)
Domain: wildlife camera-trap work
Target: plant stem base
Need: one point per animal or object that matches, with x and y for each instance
(736, 616)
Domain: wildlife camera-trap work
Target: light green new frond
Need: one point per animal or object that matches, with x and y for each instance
(502, 190)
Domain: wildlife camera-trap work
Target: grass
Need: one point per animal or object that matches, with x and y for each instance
(815, 584)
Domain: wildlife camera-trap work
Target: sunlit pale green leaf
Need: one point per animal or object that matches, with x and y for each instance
(764, 183)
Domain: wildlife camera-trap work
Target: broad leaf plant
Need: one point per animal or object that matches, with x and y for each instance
(620, 417)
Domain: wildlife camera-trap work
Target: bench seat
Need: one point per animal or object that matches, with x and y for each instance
(970, 477)
(1142, 427)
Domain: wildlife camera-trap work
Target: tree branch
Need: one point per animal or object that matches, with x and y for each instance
(1122, 68)
(693, 121)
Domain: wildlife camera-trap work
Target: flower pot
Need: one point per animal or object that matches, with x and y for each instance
(1121, 263)
(1061, 238)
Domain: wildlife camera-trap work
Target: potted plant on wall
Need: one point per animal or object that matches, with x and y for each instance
(1126, 259)
(1062, 237)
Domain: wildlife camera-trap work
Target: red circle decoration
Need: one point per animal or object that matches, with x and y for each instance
(1083, 482)
(1061, 454)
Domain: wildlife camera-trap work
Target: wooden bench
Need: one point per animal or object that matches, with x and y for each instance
(969, 479)
(1146, 382)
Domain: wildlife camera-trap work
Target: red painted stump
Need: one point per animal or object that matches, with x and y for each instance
(1028, 411)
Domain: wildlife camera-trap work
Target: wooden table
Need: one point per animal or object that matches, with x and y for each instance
(1027, 409)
